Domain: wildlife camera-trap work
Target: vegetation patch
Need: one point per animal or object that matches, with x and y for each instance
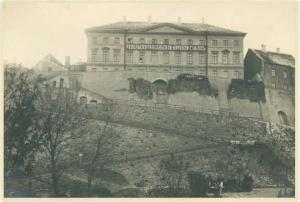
(242, 89)
(183, 83)
(141, 87)
(191, 83)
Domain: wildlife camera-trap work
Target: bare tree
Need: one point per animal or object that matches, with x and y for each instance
(59, 116)
(171, 172)
(101, 141)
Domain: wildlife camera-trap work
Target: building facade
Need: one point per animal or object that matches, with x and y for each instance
(277, 71)
(199, 49)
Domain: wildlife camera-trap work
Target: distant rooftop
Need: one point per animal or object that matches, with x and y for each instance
(146, 26)
(276, 58)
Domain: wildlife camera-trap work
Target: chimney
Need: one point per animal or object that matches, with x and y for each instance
(149, 19)
(203, 20)
(124, 18)
(277, 50)
(263, 47)
(179, 19)
(67, 61)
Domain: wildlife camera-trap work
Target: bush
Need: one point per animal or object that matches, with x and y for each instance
(141, 87)
(191, 83)
(198, 184)
(242, 89)
(247, 183)
(231, 185)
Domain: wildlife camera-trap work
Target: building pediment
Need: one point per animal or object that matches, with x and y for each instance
(167, 28)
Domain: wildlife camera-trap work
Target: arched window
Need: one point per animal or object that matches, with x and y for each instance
(93, 101)
(283, 118)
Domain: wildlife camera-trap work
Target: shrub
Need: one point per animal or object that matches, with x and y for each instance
(252, 90)
(247, 183)
(198, 184)
(141, 87)
(231, 185)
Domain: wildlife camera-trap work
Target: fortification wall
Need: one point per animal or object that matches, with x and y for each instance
(115, 85)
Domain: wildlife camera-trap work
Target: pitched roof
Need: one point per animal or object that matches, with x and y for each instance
(276, 58)
(144, 26)
(49, 57)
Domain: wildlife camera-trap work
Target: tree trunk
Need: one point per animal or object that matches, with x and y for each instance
(54, 176)
(89, 183)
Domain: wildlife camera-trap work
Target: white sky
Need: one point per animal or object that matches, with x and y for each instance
(31, 29)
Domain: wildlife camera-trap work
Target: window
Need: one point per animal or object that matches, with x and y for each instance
(154, 41)
(214, 73)
(142, 57)
(285, 75)
(105, 40)
(201, 58)
(166, 58)
(236, 42)
(154, 57)
(202, 42)
(225, 58)
(142, 41)
(130, 56)
(285, 87)
(117, 40)
(94, 55)
(105, 55)
(178, 58)
(214, 58)
(190, 58)
(273, 85)
(116, 56)
(178, 41)
(130, 40)
(225, 43)
(190, 42)
(166, 41)
(201, 72)
(214, 43)
(273, 72)
(236, 74)
(283, 118)
(236, 58)
(225, 74)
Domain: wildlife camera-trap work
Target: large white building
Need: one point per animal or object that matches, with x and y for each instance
(195, 48)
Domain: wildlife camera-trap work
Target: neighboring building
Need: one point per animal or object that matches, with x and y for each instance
(78, 67)
(277, 71)
(195, 48)
(49, 64)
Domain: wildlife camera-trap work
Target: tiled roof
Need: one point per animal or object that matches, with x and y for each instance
(143, 26)
(276, 58)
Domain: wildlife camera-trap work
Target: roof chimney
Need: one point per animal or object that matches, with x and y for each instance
(124, 18)
(263, 47)
(203, 20)
(179, 19)
(277, 50)
(149, 19)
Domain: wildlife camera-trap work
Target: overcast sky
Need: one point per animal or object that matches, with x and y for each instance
(31, 29)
